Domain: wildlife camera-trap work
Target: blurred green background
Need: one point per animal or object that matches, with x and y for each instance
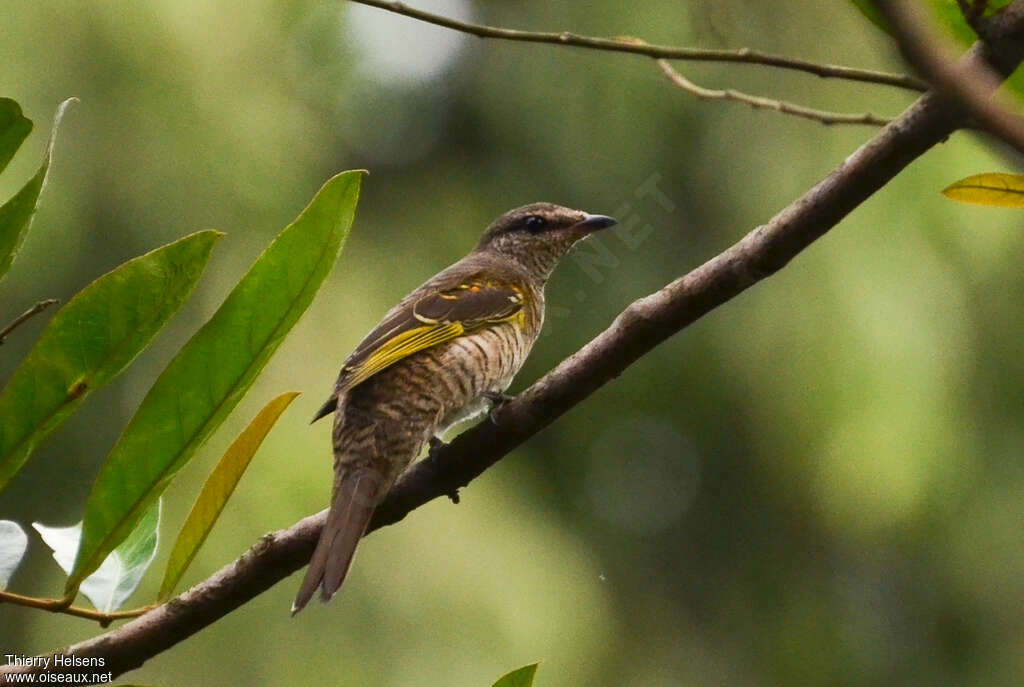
(818, 484)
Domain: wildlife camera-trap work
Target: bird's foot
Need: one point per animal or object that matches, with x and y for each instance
(498, 401)
(435, 444)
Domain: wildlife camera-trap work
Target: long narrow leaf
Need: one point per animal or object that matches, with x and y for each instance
(14, 129)
(119, 575)
(218, 489)
(995, 189)
(13, 542)
(16, 214)
(91, 339)
(214, 370)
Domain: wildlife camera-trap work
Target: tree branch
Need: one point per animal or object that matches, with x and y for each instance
(972, 84)
(25, 316)
(62, 606)
(639, 47)
(638, 329)
(760, 102)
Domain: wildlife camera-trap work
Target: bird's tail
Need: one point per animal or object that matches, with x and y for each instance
(356, 495)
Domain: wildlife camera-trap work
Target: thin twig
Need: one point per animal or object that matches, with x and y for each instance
(20, 319)
(759, 102)
(631, 45)
(62, 606)
(970, 83)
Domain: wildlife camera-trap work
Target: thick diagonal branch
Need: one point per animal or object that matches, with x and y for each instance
(642, 326)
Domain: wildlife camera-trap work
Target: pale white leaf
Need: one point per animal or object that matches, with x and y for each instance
(120, 573)
(13, 543)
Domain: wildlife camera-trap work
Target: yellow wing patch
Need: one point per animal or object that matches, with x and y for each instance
(429, 317)
(405, 344)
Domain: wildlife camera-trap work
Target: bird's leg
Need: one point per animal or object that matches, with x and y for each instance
(498, 399)
(434, 445)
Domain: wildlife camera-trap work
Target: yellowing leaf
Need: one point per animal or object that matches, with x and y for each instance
(218, 489)
(999, 190)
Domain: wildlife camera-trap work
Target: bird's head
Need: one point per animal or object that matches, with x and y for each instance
(536, 236)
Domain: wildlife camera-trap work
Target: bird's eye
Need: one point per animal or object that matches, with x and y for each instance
(534, 223)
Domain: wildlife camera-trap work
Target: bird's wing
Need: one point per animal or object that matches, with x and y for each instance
(428, 319)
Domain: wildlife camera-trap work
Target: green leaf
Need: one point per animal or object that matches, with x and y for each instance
(214, 370)
(119, 575)
(218, 489)
(14, 129)
(950, 21)
(994, 189)
(946, 14)
(16, 214)
(868, 9)
(93, 338)
(521, 677)
(13, 543)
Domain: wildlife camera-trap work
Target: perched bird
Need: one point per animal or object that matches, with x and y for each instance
(441, 356)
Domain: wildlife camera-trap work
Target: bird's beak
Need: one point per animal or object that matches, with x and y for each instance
(595, 222)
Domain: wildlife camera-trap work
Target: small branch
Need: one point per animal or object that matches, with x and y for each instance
(62, 606)
(20, 319)
(631, 45)
(972, 84)
(759, 102)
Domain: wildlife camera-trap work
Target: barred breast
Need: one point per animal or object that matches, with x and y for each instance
(482, 363)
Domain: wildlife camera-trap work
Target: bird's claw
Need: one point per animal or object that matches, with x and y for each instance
(497, 397)
(498, 400)
(435, 444)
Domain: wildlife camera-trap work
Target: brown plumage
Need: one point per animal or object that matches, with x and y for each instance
(433, 361)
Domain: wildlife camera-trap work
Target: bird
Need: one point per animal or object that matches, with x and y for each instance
(444, 354)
